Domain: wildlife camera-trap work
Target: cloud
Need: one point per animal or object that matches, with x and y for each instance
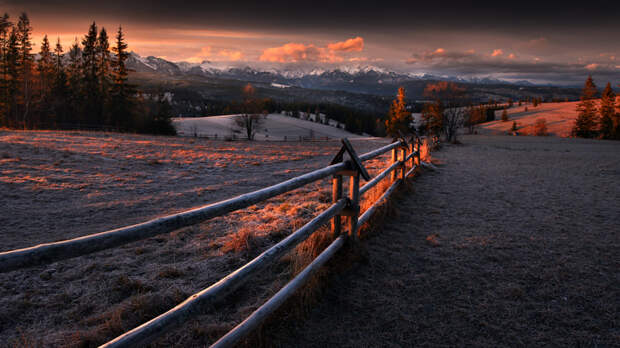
(350, 45)
(298, 52)
(457, 63)
(497, 52)
(214, 54)
(438, 55)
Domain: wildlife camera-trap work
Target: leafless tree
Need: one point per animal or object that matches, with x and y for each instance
(454, 100)
(253, 115)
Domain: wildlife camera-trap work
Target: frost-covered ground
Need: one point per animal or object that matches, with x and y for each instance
(58, 185)
(274, 127)
(513, 242)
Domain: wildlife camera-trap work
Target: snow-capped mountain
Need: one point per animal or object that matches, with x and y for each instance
(352, 78)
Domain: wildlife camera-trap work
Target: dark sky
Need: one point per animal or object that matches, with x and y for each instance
(547, 41)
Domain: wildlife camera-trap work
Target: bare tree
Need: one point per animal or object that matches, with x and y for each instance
(253, 115)
(454, 100)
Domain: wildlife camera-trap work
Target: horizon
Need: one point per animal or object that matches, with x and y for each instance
(543, 44)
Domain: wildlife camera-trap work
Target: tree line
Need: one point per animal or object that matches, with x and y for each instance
(602, 121)
(84, 87)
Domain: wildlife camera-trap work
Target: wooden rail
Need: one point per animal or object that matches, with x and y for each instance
(342, 207)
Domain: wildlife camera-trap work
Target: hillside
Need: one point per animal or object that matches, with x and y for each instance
(275, 127)
(560, 118)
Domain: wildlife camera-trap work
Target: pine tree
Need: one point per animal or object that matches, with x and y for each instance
(90, 77)
(74, 72)
(103, 71)
(122, 93)
(607, 111)
(505, 116)
(5, 26)
(586, 122)
(12, 77)
(45, 67)
(25, 62)
(60, 91)
(398, 119)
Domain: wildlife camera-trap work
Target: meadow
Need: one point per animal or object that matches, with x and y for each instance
(59, 185)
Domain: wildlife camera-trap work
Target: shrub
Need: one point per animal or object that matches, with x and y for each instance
(540, 127)
(505, 116)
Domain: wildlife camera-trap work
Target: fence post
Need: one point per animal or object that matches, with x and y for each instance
(412, 149)
(417, 157)
(404, 166)
(354, 197)
(336, 196)
(394, 159)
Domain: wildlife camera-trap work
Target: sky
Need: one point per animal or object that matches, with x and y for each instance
(539, 41)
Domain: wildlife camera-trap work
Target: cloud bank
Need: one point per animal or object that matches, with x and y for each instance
(298, 52)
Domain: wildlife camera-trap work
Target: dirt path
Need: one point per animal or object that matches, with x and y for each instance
(524, 250)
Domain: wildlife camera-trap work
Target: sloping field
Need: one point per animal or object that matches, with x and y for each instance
(514, 242)
(560, 118)
(59, 185)
(274, 127)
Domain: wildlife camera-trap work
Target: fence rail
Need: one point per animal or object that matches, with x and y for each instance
(342, 207)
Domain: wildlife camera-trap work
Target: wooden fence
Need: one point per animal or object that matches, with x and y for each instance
(405, 160)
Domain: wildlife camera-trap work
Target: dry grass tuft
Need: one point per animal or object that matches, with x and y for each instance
(169, 273)
(243, 240)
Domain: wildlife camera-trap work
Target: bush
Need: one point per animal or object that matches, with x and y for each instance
(540, 127)
(505, 116)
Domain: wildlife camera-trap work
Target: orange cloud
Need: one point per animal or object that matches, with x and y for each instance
(208, 52)
(350, 45)
(497, 52)
(298, 52)
(592, 66)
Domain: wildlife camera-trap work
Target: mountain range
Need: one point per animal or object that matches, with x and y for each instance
(195, 86)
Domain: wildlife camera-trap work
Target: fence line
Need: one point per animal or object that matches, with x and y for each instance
(342, 207)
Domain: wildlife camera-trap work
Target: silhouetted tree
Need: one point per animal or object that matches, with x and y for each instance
(252, 117)
(586, 122)
(24, 64)
(608, 113)
(453, 99)
(122, 94)
(60, 88)
(504, 115)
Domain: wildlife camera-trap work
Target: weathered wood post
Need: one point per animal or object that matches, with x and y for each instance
(394, 159)
(354, 208)
(336, 196)
(412, 149)
(354, 170)
(417, 157)
(404, 166)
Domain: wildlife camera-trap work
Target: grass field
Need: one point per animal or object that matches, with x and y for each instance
(59, 185)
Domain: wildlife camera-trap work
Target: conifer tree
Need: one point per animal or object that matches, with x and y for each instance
(398, 119)
(5, 26)
(74, 72)
(607, 111)
(122, 92)
(45, 67)
(103, 66)
(25, 62)
(60, 91)
(12, 76)
(586, 122)
(504, 115)
(90, 77)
